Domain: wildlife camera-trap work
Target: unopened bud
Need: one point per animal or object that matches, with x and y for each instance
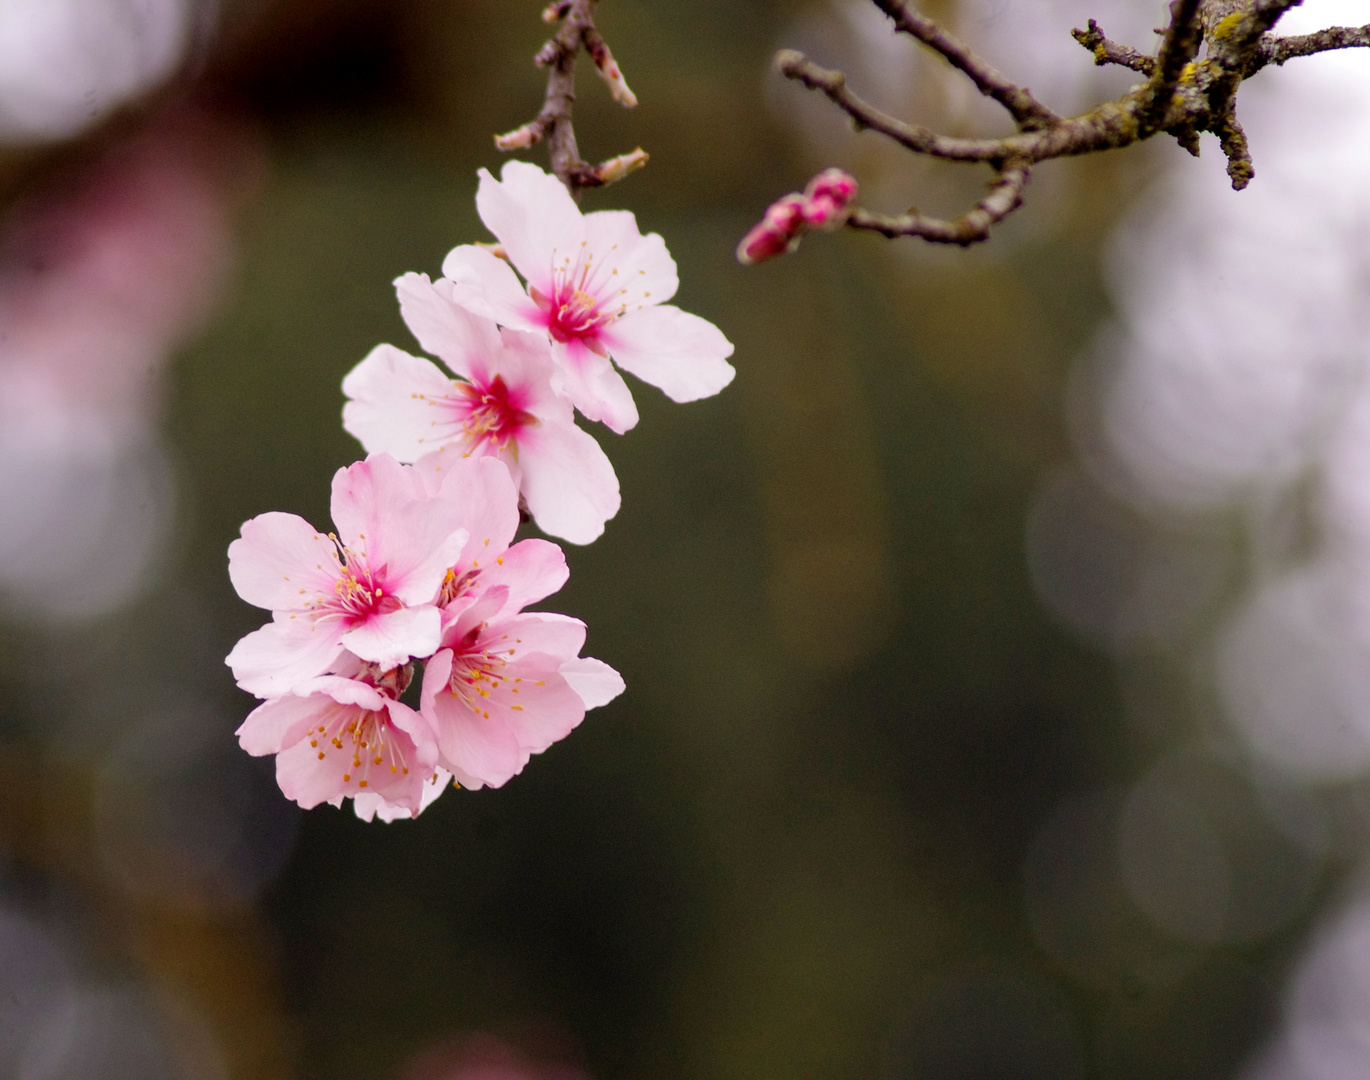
(619, 167)
(828, 199)
(777, 233)
(556, 11)
(520, 138)
(609, 70)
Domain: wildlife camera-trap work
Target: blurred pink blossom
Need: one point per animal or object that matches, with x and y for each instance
(104, 270)
(485, 1057)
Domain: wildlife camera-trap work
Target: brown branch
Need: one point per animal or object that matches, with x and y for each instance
(553, 121)
(1276, 50)
(1178, 49)
(1005, 196)
(1111, 52)
(1182, 96)
(1232, 139)
(795, 65)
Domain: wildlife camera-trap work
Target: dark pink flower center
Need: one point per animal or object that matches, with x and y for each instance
(358, 593)
(491, 413)
(576, 314)
(574, 310)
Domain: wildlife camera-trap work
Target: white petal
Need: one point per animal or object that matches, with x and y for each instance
(533, 216)
(399, 405)
(449, 331)
(485, 285)
(568, 482)
(628, 269)
(684, 355)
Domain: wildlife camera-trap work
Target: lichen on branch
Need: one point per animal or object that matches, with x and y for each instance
(1208, 49)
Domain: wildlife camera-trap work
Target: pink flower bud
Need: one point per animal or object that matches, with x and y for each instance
(778, 232)
(828, 199)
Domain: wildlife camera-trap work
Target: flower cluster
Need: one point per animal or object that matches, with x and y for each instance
(826, 203)
(423, 567)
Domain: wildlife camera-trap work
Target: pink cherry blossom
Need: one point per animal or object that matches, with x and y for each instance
(496, 692)
(502, 407)
(596, 287)
(369, 806)
(370, 590)
(335, 737)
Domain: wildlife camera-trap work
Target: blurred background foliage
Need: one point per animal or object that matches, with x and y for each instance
(801, 844)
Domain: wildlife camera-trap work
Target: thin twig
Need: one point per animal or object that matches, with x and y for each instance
(1178, 49)
(1005, 196)
(1183, 96)
(1276, 50)
(553, 121)
(1111, 52)
(797, 66)
(1025, 109)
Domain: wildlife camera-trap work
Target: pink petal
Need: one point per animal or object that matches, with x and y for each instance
(279, 722)
(568, 482)
(536, 632)
(419, 730)
(488, 286)
(433, 467)
(306, 779)
(593, 386)
(489, 506)
(368, 806)
(681, 353)
(540, 715)
(368, 496)
(399, 405)
(527, 367)
(391, 639)
(594, 680)
(470, 740)
(280, 561)
(282, 655)
(531, 570)
(452, 333)
(311, 780)
(346, 691)
(383, 511)
(533, 216)
(646, 272)
(464, 615)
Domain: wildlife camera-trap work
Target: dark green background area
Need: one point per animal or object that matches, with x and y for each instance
(802, 829)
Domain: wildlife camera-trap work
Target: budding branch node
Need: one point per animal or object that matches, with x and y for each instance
(1184, 94)
(553, 122)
